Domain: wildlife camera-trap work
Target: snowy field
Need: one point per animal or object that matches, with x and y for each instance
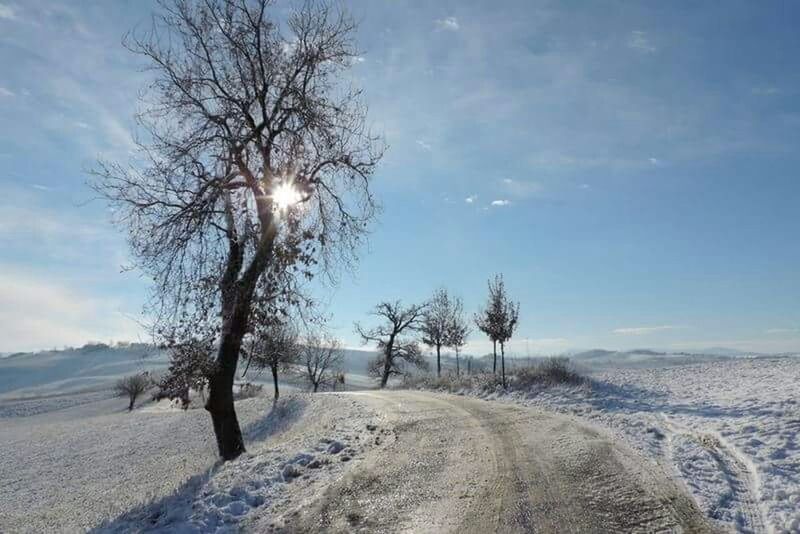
(90, 465)
(728, 430)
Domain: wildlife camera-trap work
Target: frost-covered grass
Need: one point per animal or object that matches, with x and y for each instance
(728, 429)
(95, 466)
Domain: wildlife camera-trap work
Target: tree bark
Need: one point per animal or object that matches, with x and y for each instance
(275, 381)
(220, 390)
(494, 363)
(503, 361)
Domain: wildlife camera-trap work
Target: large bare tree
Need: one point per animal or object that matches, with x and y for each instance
(396, 351)
(254, 168)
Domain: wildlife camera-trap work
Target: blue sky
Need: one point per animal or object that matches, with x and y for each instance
(630, 168)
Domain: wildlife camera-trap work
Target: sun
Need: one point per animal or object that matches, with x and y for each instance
(285, 195)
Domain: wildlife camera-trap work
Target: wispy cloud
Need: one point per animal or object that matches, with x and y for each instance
(638, 41)
(5, 92)
(470, 199)
(521, 188)
(7, 12)
(642, 330)
(448, 23)
(501, 202)
(424, 145)
(37, 313)
(783, 331)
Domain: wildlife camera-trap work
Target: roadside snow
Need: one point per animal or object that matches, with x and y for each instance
(156, 469)
(728, 429)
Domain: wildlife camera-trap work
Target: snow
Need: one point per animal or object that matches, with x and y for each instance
(92, 465)
(728, 429)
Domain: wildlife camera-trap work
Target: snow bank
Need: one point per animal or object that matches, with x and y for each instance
(728, 429)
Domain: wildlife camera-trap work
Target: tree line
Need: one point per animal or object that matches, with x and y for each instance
(440, 322)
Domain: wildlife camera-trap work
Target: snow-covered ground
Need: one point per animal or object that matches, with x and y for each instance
(728, 429)
(91, 465)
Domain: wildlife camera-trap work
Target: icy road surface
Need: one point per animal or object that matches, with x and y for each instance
(456, 464)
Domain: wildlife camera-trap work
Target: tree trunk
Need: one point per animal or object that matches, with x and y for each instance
(494, 363)
(503, 361)
(469, 365)
(458, 366)
(316, 385)
(220, 390)
(130, 406)
(387, 367)
(438, 361)
(275, 381)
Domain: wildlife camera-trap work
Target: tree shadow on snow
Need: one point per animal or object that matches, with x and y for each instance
(630, 398)
(178, 511)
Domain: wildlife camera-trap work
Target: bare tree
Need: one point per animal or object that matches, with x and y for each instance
(255, 169)
(132, 386)
(396, 351)
(498, 320)
(322, 359)
(436, 321)
(457, 330)
(489, 319)
(272, 345)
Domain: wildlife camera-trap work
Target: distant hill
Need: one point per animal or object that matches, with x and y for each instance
(87, 367)
(97, 366)
(600, 358)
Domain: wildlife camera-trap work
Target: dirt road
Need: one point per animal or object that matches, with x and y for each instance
(453, 464)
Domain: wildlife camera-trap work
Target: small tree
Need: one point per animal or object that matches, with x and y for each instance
(396, 352)
(132, 386)
(508, 324)
(498, 320)
(273, 346)
(489, 320)
(457, 331)
(322, 359)
(436, 322)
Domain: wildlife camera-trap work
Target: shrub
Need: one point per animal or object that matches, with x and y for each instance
(548, 372)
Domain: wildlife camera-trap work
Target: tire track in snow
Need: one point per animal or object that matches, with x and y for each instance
(739, 472)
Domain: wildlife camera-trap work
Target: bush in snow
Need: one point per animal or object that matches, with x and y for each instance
(548, 372)
(132, 386)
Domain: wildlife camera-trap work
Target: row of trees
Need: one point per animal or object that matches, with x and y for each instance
(442, 323)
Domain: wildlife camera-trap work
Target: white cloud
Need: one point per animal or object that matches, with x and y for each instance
(638, 41)
(470, 199)
(6, 12)
(41, 187)
(501, 202)
(5, 92)
(448, 23)
(36, 313)
(654, 161)
(424, 145)
(642, 330)
(584, 186)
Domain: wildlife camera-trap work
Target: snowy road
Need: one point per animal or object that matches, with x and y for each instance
(456, 464)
